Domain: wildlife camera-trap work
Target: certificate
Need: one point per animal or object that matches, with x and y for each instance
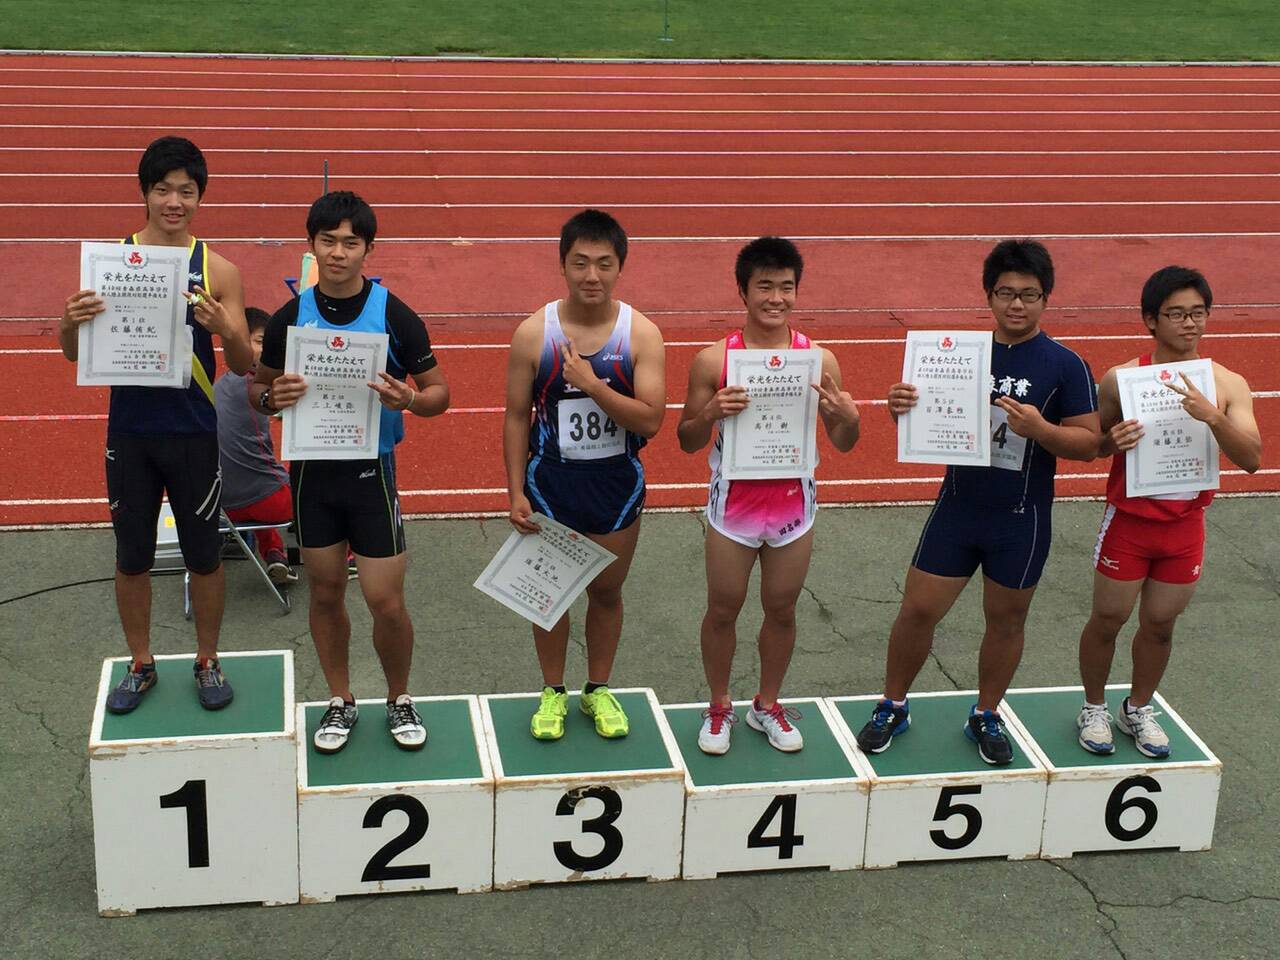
(339, 417)
(776, 436)
(1177, 456)
(951, 422)
(539, 575)
(141, 339)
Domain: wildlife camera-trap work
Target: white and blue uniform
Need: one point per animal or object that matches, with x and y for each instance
(999, 517)
(584, 470)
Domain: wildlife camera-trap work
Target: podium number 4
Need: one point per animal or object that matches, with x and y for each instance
(784, 806)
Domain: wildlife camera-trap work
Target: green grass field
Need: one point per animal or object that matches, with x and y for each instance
(806, 29)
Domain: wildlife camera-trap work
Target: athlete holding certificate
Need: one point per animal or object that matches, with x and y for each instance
(586, 389)
(995, 517)
(165, 439)
(1153, 547)
(767, 519)
(338, 503)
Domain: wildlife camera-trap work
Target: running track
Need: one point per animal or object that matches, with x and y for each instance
(896, 177)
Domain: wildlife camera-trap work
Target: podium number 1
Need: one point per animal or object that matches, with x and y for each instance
(191, 796)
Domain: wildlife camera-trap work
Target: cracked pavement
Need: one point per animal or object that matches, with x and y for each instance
(1224, 903)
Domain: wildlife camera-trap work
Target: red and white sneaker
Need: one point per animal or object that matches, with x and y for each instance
(776, 724)
(717, 725)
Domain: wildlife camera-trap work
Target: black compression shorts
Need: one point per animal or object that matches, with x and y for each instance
(348, 500)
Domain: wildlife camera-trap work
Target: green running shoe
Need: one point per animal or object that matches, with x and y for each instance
(548, 722)
(604, 707)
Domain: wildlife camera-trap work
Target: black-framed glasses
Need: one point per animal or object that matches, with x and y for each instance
(1177, 314)
(1026, 295)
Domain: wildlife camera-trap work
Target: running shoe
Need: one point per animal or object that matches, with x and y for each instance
(353, 572)
(1094, 724)
(127, 694)
(548, 722)
(278, 568)
(611, 722)
(335, 726)
(887, 721)
(211, 686)
(1140, 723)
(775, 723)
(406, 726)
(986, 729)
(717, 725)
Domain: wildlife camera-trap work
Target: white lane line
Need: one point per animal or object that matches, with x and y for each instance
(752, 205)
(741, 238)
(132, 177)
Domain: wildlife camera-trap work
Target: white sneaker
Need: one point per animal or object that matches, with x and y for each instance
(1094, 724)
(775, 724)
(1140, 724)
(335, 726)
(404, 723)
(717, 725)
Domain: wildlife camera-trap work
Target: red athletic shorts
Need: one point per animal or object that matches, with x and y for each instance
(1135, 548)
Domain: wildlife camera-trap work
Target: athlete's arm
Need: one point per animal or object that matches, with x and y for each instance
(836, 407)
(81, 307)
(1233, 426)
(704, 404)
(425, 391)
(224, 316)
(286, 388)
(522, 367)
(643, 413)
(1118, 435)
(1075, 438)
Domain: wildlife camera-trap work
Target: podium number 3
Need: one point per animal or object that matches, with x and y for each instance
(602, 826)
(191, 796)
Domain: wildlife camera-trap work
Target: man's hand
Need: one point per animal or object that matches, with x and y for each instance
(1024, 418)
(1195, 402)
(1125, 435)
(287, 389)
(394, 394)
(902, 397)
(577, 371)
(836, 403)
(726, 402)
(521, 508)
(81, 307)
(209, 313)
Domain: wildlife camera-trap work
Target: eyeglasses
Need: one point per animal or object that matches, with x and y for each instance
(1008, 294)
(1177, 314)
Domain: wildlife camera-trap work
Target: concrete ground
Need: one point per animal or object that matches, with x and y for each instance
(1223, 680)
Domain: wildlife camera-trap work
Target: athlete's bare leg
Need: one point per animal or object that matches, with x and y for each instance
(208, 595)
(782, 573)
(1160, 607)
(1005, 611)
(604, 602)
(551, 645)
(925, 601)
(133, 598)
(330, 627)
(728, 565)
(382, 583)
(1113, 602)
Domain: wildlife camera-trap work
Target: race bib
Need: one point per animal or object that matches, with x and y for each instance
(1008, 450)
(587, 432)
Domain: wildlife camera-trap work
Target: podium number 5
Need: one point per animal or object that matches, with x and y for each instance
(191, 797)
(945, 810)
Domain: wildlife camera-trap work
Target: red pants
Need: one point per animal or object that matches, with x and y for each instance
(277, 508)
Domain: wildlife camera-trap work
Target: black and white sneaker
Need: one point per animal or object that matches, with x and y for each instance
(887, 721)
(335, 726)
(404, 723)
(986, 729)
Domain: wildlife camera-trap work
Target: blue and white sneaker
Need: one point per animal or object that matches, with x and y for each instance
(128, 693)
(1094, 724)
(986, 729)
(1140, 723)
(887, 721)
(211, 686)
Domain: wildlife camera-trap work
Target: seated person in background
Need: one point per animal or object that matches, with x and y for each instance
(255, 485)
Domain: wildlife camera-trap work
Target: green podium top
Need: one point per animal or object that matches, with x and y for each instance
(1050, 718)
(371, 756)
(170, 708)
(751, 759)
(935, 741)
(581, 749)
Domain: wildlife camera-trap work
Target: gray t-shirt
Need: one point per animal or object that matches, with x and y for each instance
(250, 470)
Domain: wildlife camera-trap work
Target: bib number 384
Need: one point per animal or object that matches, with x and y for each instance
(587, 432)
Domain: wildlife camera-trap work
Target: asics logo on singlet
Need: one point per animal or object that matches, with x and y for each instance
(365, 475)
(195, 277)
(611, 356)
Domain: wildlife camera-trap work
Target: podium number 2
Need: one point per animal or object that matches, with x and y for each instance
(602, 826)
(1117, 805)
(945, 810)
(379, 865)
(787, 840)
(191, 796)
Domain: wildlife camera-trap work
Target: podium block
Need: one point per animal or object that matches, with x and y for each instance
(374, 818)
(192, 806)
(1124, 801)
(756, 808)
(583, 807)
(933, 797)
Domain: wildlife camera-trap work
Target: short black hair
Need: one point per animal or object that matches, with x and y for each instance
(594, 225)
(767, 253)
(167, 154)
(329, 211)
(1018, 256)
(1167, 281)
(256, 318)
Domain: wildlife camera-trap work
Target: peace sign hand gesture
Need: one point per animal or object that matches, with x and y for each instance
(835, 403)
(1193, 401)
(577, 371)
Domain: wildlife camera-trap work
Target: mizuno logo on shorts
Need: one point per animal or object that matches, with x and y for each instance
(367, 474)
(1109, 563)
(111, 455)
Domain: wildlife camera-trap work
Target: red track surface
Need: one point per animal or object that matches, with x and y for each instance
(898, 175)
